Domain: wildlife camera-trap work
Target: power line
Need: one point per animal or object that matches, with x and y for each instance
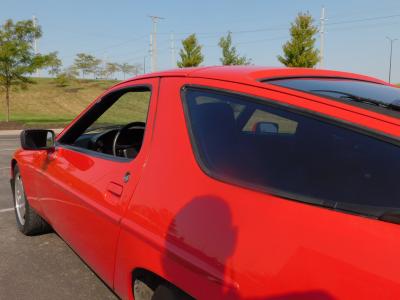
(251, 42)
(111, 46)
(219, 33)
(364, 20)
(280, 27)
(172, 41)
(216, 34)
(355, 27)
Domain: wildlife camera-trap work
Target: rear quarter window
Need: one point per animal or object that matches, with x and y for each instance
(247, 141)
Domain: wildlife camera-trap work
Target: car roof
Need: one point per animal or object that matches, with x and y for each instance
(256, 75)
(253, 74)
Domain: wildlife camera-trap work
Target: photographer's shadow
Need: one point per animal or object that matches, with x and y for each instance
(202, 237)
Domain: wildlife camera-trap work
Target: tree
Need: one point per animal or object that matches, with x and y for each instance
(72, 71)
(54, 64)
(300, 50)
(190, 53)
(137, 69)
(87, 64)
(64, 78)
(110, 69)
(126, 68)
(229, 55)
(17, 58)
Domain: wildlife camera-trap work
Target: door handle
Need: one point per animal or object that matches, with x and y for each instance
(115, 188)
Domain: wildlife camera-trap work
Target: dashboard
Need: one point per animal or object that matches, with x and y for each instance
(128, 144)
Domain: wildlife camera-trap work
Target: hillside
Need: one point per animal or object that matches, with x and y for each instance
(44, 104)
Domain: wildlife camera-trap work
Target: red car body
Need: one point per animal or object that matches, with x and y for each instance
(209, 238)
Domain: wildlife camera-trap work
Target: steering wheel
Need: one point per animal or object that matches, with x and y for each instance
(121, 131)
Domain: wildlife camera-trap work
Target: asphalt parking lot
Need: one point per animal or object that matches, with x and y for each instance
(39, 267)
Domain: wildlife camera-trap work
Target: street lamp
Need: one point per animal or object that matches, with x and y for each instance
(390, 57)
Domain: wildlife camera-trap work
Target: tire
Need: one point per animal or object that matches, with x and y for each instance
(142, 291)
(28, 221)
(165, 292)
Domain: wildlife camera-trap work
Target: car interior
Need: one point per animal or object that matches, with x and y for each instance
(114, 126)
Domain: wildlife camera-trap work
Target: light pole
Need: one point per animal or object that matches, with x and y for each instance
(390, 57)
(322, 37)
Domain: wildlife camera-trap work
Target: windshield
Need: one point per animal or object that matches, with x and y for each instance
(370, 95)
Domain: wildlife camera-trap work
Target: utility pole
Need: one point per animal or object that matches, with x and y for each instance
(322, 38)
(35, 46)
(173, 59)
(154, 19)
(390, 55)
(151, 52)
(144, 64)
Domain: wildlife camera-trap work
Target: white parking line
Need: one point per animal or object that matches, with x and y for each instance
(5, 168)
(7, 149)
(6, 210)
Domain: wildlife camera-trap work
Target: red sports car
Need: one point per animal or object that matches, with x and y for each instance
(226, 183)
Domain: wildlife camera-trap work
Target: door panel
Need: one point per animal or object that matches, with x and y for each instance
(84, 195)
(77, 201)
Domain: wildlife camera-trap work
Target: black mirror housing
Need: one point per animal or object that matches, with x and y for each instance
(37, 139)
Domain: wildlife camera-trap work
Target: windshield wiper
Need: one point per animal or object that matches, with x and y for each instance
(392, 216)
(387, 214)
(356, 98)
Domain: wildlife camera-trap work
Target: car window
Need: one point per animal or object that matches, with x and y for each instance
(131, 106)
(304, 158)
(369, 95)
(114, 126)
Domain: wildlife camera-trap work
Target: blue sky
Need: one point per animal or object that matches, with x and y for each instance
(119, 30)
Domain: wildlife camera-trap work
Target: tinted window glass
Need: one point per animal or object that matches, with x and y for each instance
(373, 95)
(298, 156)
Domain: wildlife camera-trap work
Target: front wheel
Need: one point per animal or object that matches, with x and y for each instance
(28, 221)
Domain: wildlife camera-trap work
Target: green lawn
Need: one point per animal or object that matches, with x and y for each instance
(44, 104)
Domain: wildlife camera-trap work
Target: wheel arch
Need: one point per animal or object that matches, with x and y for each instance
(153, 280)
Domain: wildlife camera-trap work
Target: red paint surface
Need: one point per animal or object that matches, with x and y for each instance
(212, 239)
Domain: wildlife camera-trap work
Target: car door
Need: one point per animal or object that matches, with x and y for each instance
(84, 193)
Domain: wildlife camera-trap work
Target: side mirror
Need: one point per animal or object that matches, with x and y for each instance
(37, 139)
(267, 128)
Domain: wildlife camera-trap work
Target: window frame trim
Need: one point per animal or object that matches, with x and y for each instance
(92, 153)
(273, 78)
(326, 204)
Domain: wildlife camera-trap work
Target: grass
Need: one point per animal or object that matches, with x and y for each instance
(44, 104)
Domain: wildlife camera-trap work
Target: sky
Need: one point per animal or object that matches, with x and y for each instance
(119, 30)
